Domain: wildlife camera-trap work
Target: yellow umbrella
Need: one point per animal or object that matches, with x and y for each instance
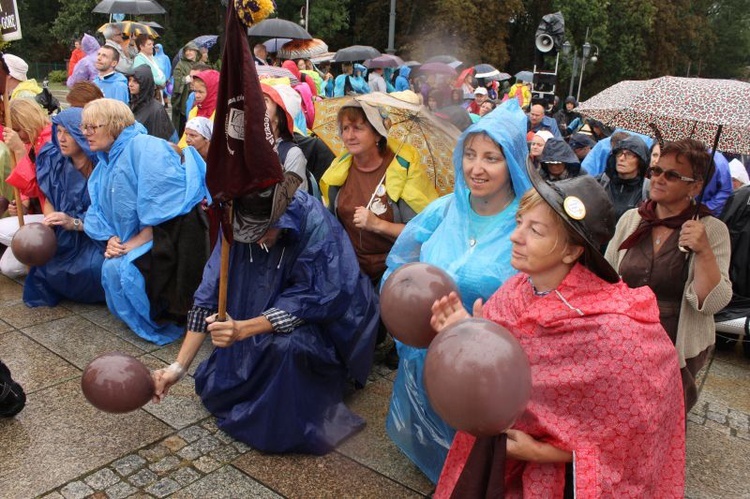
(411, 123)
(132, 28)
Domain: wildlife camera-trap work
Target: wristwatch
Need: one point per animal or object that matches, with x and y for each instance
(76, 224)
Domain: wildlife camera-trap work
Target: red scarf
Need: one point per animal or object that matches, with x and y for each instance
(650, 219)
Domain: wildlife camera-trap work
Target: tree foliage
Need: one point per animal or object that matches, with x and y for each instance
(635, 38)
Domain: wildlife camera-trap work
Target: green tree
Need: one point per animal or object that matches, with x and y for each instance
(730, 26)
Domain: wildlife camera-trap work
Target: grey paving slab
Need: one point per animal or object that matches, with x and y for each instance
(78, 340)
(716, 464)
(332, 475)
(59, 437)
(33, 366)
(10, 289)
(102, 317)
(728, 385)
(18, 315)
(5, 327)
(372, 447)
(181, 407)
(225, 483)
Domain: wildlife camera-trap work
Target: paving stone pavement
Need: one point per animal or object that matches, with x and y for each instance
(61, 447)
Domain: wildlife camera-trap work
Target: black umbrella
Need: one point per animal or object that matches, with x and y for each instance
(356, 53)
(134, 7)
(279, 28)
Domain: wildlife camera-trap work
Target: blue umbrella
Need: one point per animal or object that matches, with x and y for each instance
(525, 76)
(274, 44)
(206, 41)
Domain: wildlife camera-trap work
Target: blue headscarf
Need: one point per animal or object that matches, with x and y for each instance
(60, 181)
(70, 119)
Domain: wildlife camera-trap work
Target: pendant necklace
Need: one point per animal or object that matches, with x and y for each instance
(476, 234)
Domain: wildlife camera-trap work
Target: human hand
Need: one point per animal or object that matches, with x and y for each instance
(693, 236)
(58, 218)
(523, 447)
(14, 142)
(223, 333)
(448, 310)
(163, 381)
(365, 219)
(115, 248)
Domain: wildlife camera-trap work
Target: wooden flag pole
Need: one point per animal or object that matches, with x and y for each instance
(9, 124)
(224, 271)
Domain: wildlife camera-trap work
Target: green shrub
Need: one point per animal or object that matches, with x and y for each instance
(58, 76)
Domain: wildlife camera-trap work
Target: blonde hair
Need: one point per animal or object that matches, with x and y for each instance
(115, 115)
(531, 200)
(29, 117)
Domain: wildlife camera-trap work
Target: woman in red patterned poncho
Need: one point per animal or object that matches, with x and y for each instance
(606, 398)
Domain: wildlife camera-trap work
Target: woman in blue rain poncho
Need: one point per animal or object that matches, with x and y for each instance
(303, 321)
(140, 188)
(466, 234)
(63, 167)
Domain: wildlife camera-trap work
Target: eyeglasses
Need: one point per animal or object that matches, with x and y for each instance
(671, 175)
(626, 153)
(89, 129)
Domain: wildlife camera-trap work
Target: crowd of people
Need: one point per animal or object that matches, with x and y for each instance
(600, 250)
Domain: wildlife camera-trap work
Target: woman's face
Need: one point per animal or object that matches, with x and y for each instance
(485, 108)
(190, 54)
(485, 170)
(148, 47)
(536, 147)
(133, 86)
(358, 136)
(301, 64)
(539, 243)
(626, 164)
(68, 145)
(98, 138)
(432, 103)
(198, 141)
(655, 153)
(200, 90)
(555, 168)
(673, 192)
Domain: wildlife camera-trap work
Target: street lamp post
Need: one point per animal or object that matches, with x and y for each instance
(304, 14)
(586, 55)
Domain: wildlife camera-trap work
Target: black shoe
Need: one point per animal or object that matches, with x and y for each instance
(12, 396)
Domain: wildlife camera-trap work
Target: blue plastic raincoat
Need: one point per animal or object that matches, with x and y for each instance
(440, 235)
(141, 182)
(75, 272)
(284, 392)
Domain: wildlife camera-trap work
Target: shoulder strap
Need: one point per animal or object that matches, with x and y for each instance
(284, 147)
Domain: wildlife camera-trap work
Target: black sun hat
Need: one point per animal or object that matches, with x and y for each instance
(584, 206)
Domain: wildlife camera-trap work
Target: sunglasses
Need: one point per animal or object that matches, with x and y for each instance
(671, 175)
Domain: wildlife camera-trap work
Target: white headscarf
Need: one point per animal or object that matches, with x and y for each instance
(202, 125)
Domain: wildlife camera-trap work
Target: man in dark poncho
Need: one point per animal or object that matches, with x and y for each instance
(303, 326)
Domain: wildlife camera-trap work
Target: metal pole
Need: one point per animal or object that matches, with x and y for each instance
(573, 72)
(392, 29)
(584, 55)
(307, 13)
(580, 80)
